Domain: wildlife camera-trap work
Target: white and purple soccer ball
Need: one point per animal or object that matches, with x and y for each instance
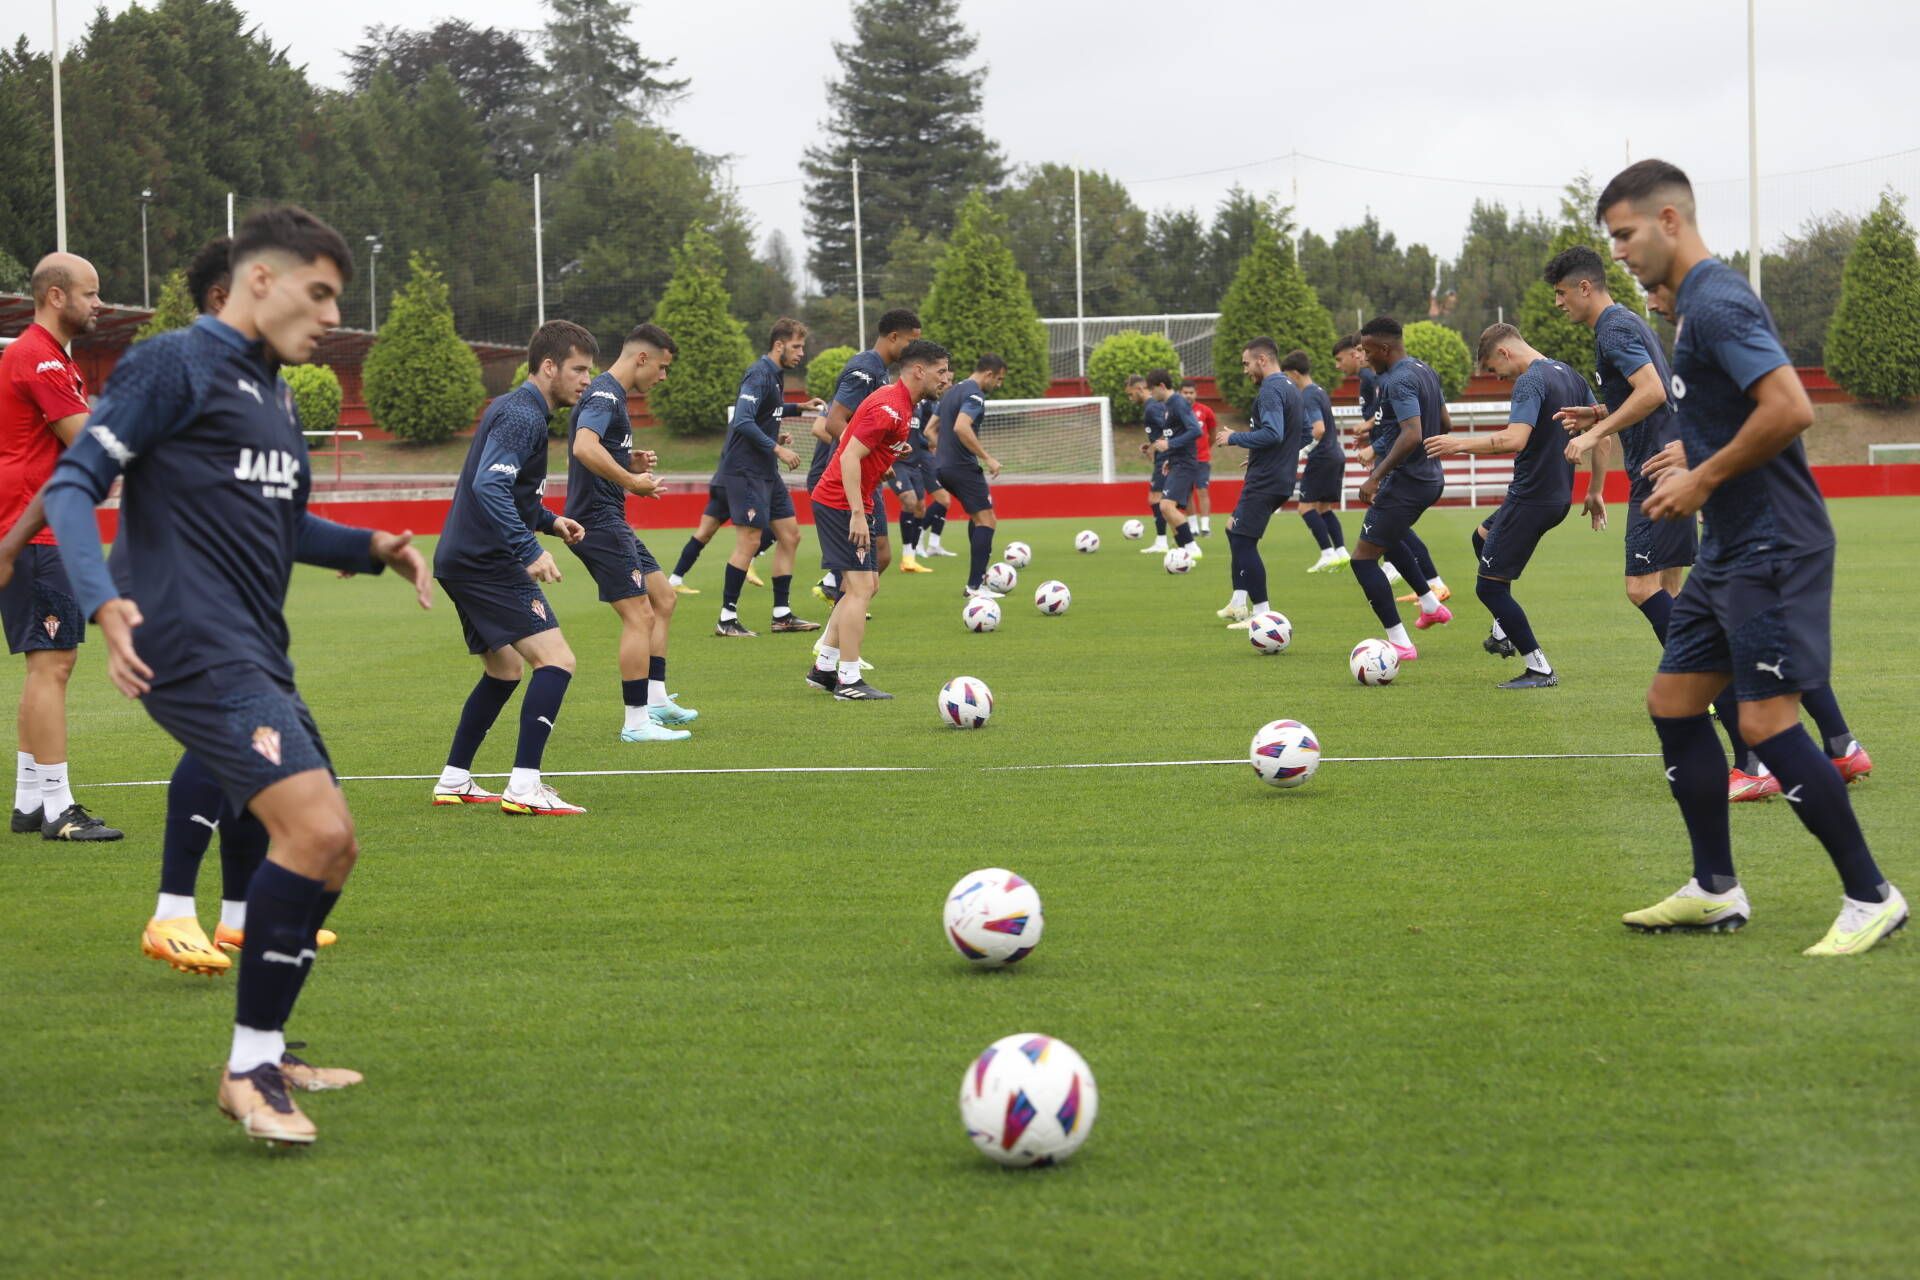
(1018, 554)
(1002, 577)
(965, 702)
(1270, 632)
(1178, 560)
(1028, 1100)
(1086, 542)
(1284, 753)
(1374, 662)
(1052, 598)
(992, 917)
(981, 613)
(1133, 530)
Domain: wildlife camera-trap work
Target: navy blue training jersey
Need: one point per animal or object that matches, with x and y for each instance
(753, 433)
(1181, 431)
(595, 502)
(923, 413)
(496, 505)
(1317, 406)
(965, 397)
(1727, 343)
(213, 514)
(1370, 403)
(1624, 344)
(1409, 390)
(1153, 416)
(1276, 425)
(1541, 472)
(865, 374)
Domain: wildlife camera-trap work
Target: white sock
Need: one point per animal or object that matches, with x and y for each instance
(657, 693)
(26, 783)
(1437, 585)
(1537, 661)
(728, 613)
(826, 657)
(1499, 632)
(524, 782)
(920, 547)
(451, 778)
(931, 541)
(251, 1048)
(172, 906)
(234, 914)
(828, 580)
(636, 718)
(1397, 634)
(850, 671)
(674, 579)
(1260, 608)
(55, 795)
(1206, 524)
(782, 611)
(1239, 600)
(1429, 603)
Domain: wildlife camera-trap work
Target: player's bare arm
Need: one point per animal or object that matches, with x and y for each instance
(593, 455)
(1648, 395)
(963, 432)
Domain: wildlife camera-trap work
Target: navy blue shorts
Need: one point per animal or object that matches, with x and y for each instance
(1204, 477)
(779, 500)
(969, 487)
(1767, 624)
(909, 477)
(1322, 478)
(748, 503)
(495, 612)
(250, 728)
(1396, 505)
(1156, 483)
(618, 561)
(1513, 533)
(1253, 511)
(1183, 475)
(877, 522)
(1653, 545)
(716, 502)
(37, 605)
(837, 552)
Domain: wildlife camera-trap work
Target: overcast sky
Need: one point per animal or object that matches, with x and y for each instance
(1502, 101)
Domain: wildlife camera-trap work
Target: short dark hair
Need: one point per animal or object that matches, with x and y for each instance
(1577, 264)
(1383, 327)
(922, 351)
(1298, 362)
(1347, 343)
(287, 228)
(898, 320)
(1641, 181)
(1492, 336)
(211, 268)
(556, 340)
(1160, 378)
(1136, 380)
(653, 335)
(988, 362)
(1264, 345)
(786, 329)
(1189, 382)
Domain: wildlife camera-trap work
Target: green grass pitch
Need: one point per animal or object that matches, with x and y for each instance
(1384, 1025)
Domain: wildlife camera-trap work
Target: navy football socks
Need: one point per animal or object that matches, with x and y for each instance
(937, 518)
(1825, 710)
(1332, 522)
(1373, 580)
(1658, 607)
(1498, 597)
(782, 594)
(1184, 534)
(1421, 556)
(688, 554)
(1697, 776)
(909, 530)
(1249, 571)
(730, 594)
(476, 717)
(1818, 798)
(1403, 558)
(539, 712)
(633, 693)
(243, 847)
(1312, 519)
(1159, 523)
(278, 947)
(323, 906)
(194, 804)
(980, 543)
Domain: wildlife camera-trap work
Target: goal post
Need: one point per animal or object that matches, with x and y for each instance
(1069, 438)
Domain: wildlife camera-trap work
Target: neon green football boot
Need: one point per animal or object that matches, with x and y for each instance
(1861, 925)
(1692, 909)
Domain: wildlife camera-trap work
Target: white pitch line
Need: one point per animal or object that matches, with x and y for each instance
(923, 768)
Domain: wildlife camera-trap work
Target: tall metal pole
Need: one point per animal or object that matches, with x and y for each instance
(229, 214)
(859, 261)
(1079, 281)
(1753, 160)
(146, 268)
(59, 145)
(539, 260)
(373, 284)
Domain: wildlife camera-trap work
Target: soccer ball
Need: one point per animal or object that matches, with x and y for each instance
(1028, 1100)
(1285, 753)
(1001, 577)
(1018, 554)
(1052, 597)
(993, 916)
(1086, 542)
(1133, 530)
(1178, 560)
(1271, 632)
(965, 703)
(1374, 662)
(981, 613)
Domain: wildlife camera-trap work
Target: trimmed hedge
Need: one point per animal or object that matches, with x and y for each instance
(1873, 340)
(699, 391)
(824, 369)
(316, 394)
(1120, 356)
(1445, 350)
(422, 383)
(979, 302)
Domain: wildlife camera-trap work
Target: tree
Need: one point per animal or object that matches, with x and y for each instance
(1802, 282)
(824, 369)
(316, 395)
(912, 259)
(979, 302)
(422, 383)
(496, 75)
(14, 276)
(1873, 342)
(714, 350)
(1268, 297)
(1545, 327)
(908, 108)
(596, 76)
(1038, 210)
(175, 310)
(1177, 267)
(1501, 256)
(1443, 349)
(1121, 355)
(1363, 272)
(1236, 222)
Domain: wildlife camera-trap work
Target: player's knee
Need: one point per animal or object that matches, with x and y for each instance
(561, 659)
(1491, 589)
(663, 603)
(1640, 590)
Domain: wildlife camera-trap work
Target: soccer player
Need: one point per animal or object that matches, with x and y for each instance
(1179, 432)
(1755, 612)
(711, 519)
(913, 481)
(1404, 481)
(863, 375)
(964, 466)
(1203, 454)
(43, 405)
(758, 502)
(213, 516)
(491, 566)
(843, 503)
(1275, 429)
(1153, 415)
(1537, 499)
(600, 475)
(1326, 466)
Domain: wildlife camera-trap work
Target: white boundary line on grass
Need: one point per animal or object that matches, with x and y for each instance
(923, 768)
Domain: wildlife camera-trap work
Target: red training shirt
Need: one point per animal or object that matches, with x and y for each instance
(881, 423)
(39, 384)
(1204, 449)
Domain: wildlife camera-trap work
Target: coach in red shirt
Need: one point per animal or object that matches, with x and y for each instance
(43, 405)
(1203, 454)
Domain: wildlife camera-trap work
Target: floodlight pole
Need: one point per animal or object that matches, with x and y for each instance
(859, 261)
(1753, 160)
(539, 260)
(229, 215)
(146, 268)
(59, 144)
(373, 283)
(1079, 281)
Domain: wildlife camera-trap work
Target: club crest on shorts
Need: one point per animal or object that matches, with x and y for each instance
(51, 624)
(540, 610)
(266, 740)
(639, 579)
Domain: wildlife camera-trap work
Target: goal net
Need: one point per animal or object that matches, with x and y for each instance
(1043, 441)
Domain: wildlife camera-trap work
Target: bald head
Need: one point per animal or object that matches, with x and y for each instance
(66, 295)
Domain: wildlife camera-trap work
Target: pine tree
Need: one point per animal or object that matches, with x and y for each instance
(422, 382)
(979, 302)
(175, 309)
(908, 108)
(714, 350)
(1268, 298)
(596, 74)
(1873, 341)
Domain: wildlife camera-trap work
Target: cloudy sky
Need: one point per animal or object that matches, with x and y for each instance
(1424, 106)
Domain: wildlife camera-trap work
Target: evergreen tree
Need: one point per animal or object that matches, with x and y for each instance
(1873, 342)
(714, 350)
(1177, 266)
(1363, 272)
(174, 310)
(14, 276)
(979, 302)
(912, 259)
(908, 108)
(1038, 210)
(1121, 355)
(1501, 256)
(1443, 349)
(496, 74)
(596, 75)
(1268, 297)
(421, 381)
(1545, 327)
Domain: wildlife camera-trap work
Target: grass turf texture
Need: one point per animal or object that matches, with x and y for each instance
(1387, 1023)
